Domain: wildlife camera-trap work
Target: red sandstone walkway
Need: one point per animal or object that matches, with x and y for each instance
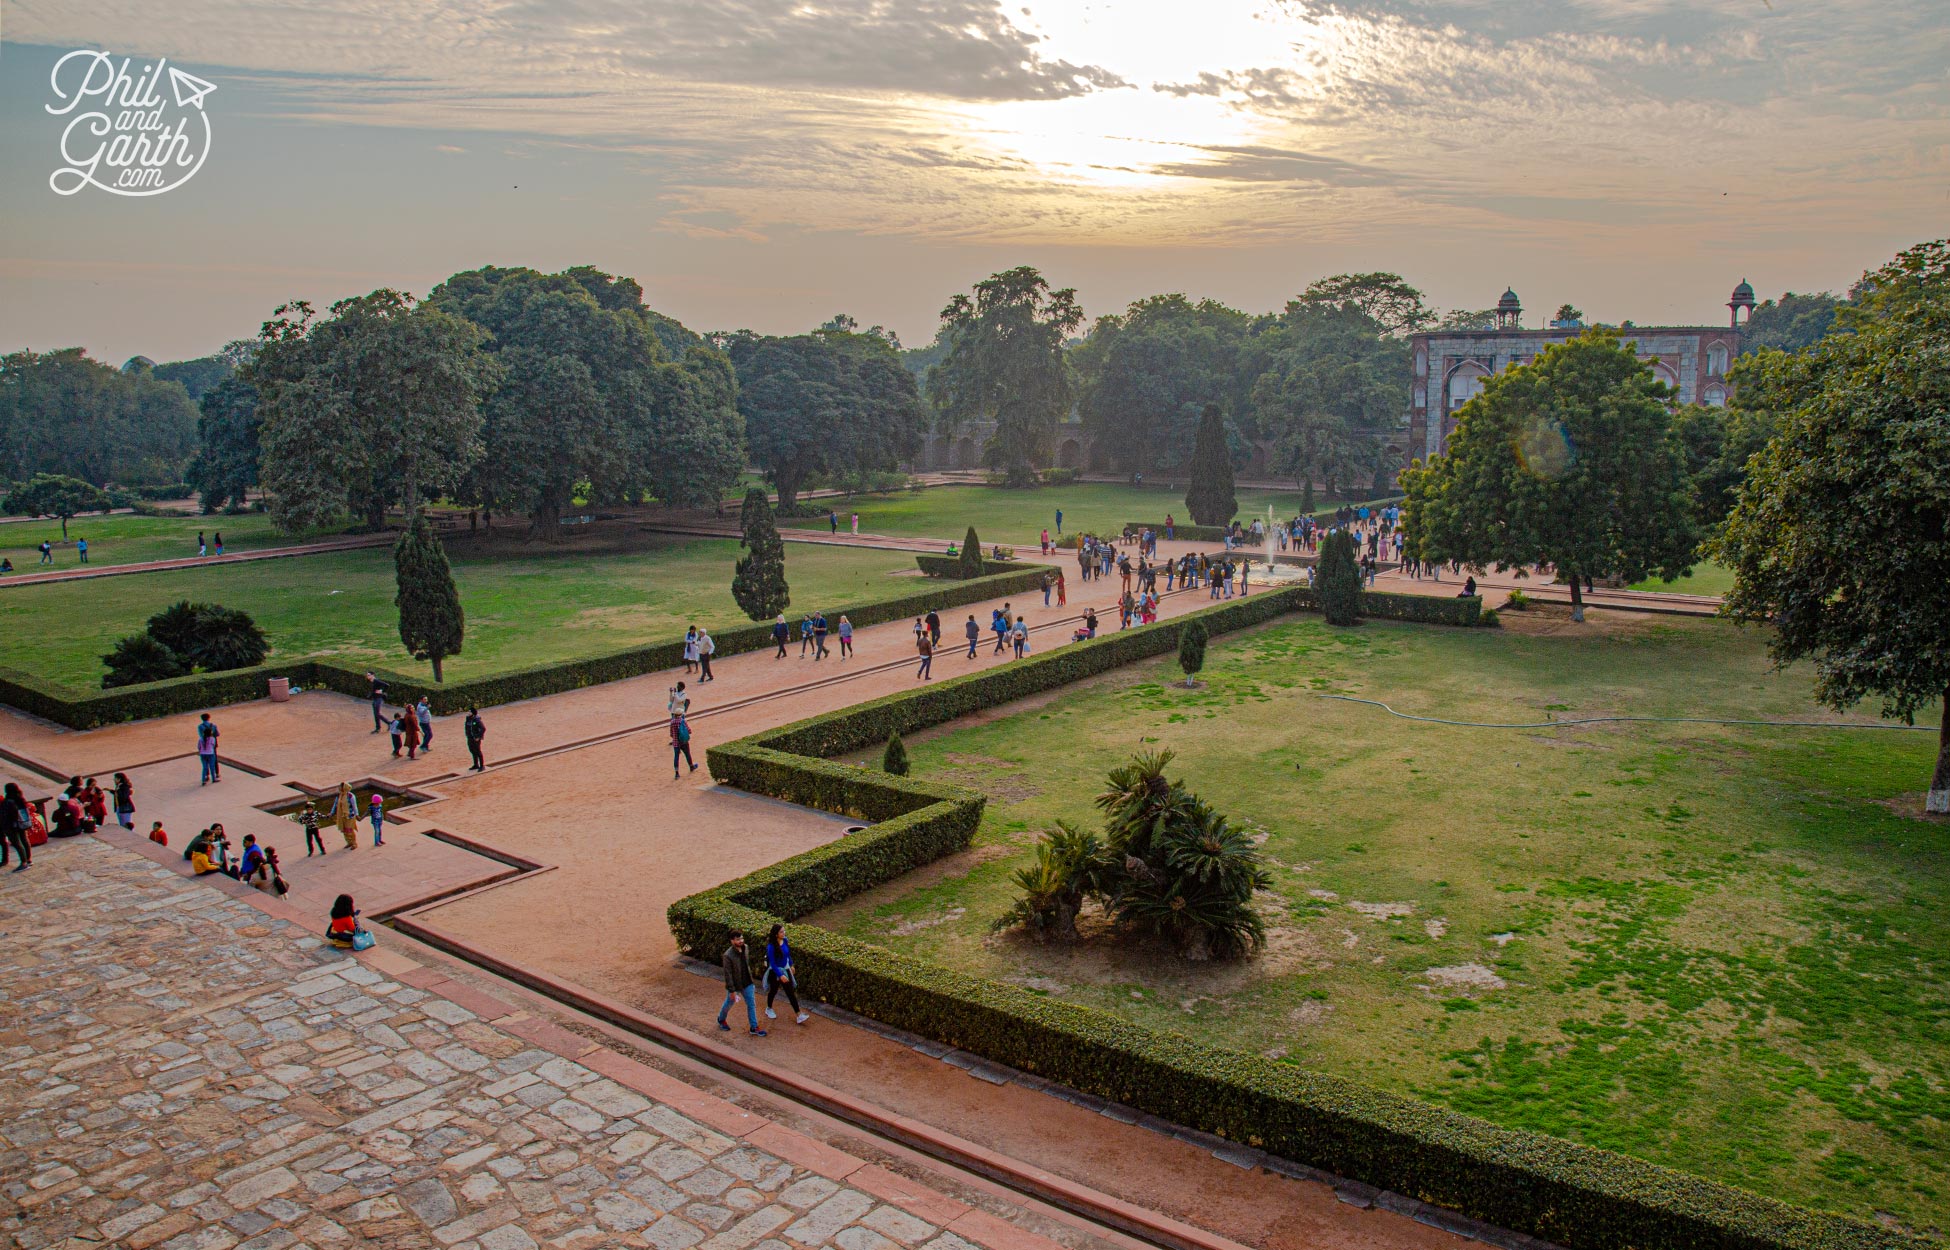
(621, 840)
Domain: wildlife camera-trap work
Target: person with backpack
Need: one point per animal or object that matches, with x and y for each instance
(206, 749)
(16, 818)
(780, 974)
(680, 745)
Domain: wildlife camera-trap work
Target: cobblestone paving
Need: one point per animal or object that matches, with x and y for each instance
(180, 1070)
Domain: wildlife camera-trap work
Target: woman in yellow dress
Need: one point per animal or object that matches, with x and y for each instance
(345, 814)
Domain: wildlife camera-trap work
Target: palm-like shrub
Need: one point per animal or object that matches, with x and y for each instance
(1071, 865)
(186, 636)
(227, 638)
(139, 658)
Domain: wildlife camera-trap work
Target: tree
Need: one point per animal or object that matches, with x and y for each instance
(1792, 323)
(830, 402)
(1144, 375)
(1838, 535)
(1331, 386)
(1458, 319)
(51, 494)
(591, 400)
(758, 581)
(431, 622)
(225, 468)
(1571, 461)
(62, 413)
(139, 658)
(1070, 866)
(1337, 580)
(209, 636)
(1384, 298)
(1005, 364)
(1717, 444)
(1209, 496)
(971, 555)
(895, 759)
(377, 404)
(204, 374)
(1191, 649)
(1567, 315)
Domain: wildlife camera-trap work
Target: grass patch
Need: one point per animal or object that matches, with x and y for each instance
(125, 539)
(1707, 578)
(526, 603)
(1710, 947)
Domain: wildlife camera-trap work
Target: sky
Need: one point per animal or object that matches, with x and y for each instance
(765, 164)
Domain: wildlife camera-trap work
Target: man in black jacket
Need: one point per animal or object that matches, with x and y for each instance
(376, 691)
(737, 983)
(475, 730)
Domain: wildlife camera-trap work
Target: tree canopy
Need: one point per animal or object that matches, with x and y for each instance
(1144, 376)
(1331, 386)
(1570, 461)
(1791, 323)
(832, 402)
(377, 404)
(1005, 363)
(1841, 534)
(65, 414)
(1209, 497)
(1385, 298)
(51, 494)
(758, 580)
(588, 397)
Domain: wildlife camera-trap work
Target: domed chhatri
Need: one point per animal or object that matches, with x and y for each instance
(1743, 297)
(1509, 311)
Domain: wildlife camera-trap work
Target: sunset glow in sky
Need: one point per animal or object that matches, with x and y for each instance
(766, 163)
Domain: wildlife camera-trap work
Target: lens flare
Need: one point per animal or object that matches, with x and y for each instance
(1545, 449)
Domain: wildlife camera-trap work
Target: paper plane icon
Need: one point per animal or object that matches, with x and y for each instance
(189, 89)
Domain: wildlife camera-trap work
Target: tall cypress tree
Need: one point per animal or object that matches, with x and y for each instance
(758, 583)
(971, 555)
(431, 623)
(1338, 582)
(1209, 497)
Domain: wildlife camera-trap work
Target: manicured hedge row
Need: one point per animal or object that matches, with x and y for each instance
(1576, 1195)
(950, 566)
(207, 690)
(1179, 531)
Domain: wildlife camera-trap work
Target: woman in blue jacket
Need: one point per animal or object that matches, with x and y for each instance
(780, 973)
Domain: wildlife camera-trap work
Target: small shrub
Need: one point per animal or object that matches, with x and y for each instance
(971, 554)
(1518, 601)
(1191, 649)
(1338, 582)
(1071, 864)
(227, 639)
(1488, 619)
(139, 658)
(895, 759)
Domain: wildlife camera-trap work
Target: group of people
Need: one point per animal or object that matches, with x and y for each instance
(777, 972)
(411, 726)
(814, 630)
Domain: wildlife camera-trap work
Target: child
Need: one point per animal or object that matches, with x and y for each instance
(378, 819)
(311, 832)
(158, 834)
(399, 733)
(344, 929)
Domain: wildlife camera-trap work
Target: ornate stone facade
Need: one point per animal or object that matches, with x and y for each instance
(1450, 366)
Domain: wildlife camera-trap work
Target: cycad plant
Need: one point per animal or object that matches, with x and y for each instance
(1071, 865)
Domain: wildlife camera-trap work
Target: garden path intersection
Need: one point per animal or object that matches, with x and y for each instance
(281, 1042)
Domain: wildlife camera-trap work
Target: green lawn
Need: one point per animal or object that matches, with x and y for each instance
(127, 539)
(525, 604)
(1719, 948)
(1017, 517)
(1707, 578)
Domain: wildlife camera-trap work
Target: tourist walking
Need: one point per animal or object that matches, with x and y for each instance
(206, 749)
(780, 975)
(1049, 584)
(974, 633)
(398, 726)
(690, 649)
(856, 525)
(1020, 635)
(16, 818)
(926, 648)
(819, 635)
(846, 636)
(81, 549)
(781, 634)
(217, 538)
(378, 819)
(934, 627)
(345, 815)
(680, 744)
(47, 552)
(124, 802)
(1059, 522)
(706, 648)
(738, 984)
(376, 692)
(411, 723)
(202, 549)
(475, 730)
(423, 713)
(314, 844)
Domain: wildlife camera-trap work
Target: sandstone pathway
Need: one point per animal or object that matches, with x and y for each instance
(179, 1069)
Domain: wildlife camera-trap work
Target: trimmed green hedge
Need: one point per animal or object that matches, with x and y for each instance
(1180, 531)
(206, 690)
(950, 566)
(1576, 1195)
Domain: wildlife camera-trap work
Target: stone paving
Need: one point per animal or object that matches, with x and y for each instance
(179, 1069)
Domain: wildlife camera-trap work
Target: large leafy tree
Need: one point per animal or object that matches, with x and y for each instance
(431, 623)
(1208, 496)
(225, 466)
(1841, 534)
(1792, 323)
(589, 400)
(1571, 461)
(204, 374)
(65, 414)
(1144, 375)
(1384, 298)
(832, 402)
(1331, 384)
(758, 580)
(377, 404)
(51, 494)
(1005, 364)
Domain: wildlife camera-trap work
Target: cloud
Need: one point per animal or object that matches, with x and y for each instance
(1264, 164)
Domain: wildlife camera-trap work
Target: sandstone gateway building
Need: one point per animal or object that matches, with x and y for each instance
(1450, 366)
